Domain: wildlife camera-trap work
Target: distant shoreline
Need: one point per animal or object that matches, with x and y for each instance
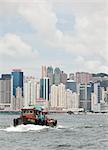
(53, 111)
(9, 112)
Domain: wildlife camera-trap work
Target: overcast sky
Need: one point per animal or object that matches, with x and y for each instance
(70, 34)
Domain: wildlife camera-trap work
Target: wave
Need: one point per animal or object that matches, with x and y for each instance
(25, 128)
(60, 127)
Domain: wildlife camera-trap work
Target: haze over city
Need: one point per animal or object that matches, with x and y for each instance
(70, 34)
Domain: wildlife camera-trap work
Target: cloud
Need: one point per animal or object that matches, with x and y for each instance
(15, 52)
(86, 44)
(40, 15)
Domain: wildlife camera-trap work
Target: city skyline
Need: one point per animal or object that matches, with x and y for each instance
(70, 34)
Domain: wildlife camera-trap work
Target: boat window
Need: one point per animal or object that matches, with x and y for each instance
(27, 111)
(24, 111)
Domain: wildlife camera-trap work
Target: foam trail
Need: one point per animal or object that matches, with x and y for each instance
(25, 128)
(60, 127)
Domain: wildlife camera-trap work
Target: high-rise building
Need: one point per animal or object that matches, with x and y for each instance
(72, 100)
(71, 85)
(43, 71)
(83, 77)
(54, 101)
(44, 88)
(17, 76)
(5, 91)
(30, 91)
(50, 75)
(63, 78)
(57, 76)
(60, 98)
(96, 97)
(18, 99)
(71, 76)
(104, 100)
(62, 95)
(104, 83)
(38, 90)
(85, 91)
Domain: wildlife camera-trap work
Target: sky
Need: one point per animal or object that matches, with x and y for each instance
(70, 34)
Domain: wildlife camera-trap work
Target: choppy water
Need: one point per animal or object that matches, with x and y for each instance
(74, 132)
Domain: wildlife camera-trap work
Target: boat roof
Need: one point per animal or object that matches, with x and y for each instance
(39, 108)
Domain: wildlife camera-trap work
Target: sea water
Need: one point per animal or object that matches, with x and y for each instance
(73, 132)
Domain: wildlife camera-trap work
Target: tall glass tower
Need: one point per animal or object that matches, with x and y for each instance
(17, 76)
(57, 76)
(85, 96)
(50, 74)
(44, 88)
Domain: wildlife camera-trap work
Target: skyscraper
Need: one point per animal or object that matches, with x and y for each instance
(71, 76)
(44, 88)
(54, 97)
(85, 91)
(58, 96)
(63, 78)
(30, 91)
(96, 97)
(72, 100)
(71, 85)
(50, 75)
(62, 95)
(17, 76)
(43, 71)
(5, 90)
(83, 77)
(57, 76)
(19, 99)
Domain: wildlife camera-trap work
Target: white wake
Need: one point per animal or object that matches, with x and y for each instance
(25, 128)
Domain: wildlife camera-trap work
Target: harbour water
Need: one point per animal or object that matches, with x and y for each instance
(73, 132)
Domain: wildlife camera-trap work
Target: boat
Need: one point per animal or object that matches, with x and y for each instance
(29, 115)
(70, 112)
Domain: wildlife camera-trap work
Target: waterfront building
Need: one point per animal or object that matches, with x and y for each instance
(30, 91)
(58, 96)
(96, 98)
(72, 100)
(83, 77)
(54, 101)
(104, 100)
(62, 98)
(17, 77)
(44, 88)
(5, 91)
(62, 95)
(85, 91)
(57, 76)
(37, 90)
(43, 103)
(75, 101)
(68, 99)
(71, 85)
(18, 99)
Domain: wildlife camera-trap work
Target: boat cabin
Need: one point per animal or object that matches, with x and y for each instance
(30, 111)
